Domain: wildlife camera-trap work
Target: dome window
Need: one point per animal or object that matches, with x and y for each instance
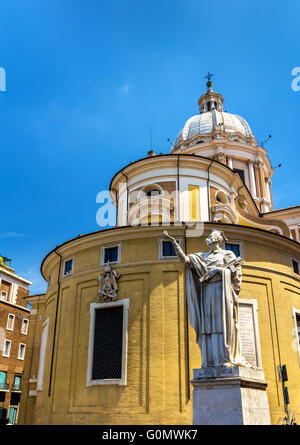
(208, 106)
(240, 172)
(150, 190)
(153, 192)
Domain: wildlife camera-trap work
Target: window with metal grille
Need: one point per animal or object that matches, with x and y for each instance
(108, 341)
(111, 254)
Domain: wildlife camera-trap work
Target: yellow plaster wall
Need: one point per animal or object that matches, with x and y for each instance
(162, 351)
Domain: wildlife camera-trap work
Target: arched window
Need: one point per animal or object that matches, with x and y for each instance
(153, 192)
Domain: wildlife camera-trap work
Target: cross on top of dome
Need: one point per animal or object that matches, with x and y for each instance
(209, 82)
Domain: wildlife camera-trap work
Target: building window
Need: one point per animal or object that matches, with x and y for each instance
(25, 324)
(6, 348)
(298, 328)
(17, 383)
(296, 317)
(107, 356)
(240, 172)
(111, 254)
(3, 295)
(3, 384)
(49, 281)
(68, 267)
(10, 322)
(21, 353)
(295, 266)
(166, 249)
(235, 248)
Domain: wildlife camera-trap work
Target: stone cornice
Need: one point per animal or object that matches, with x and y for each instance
(126, 232)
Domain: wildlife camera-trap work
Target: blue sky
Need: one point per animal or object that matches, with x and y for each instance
(87, 79)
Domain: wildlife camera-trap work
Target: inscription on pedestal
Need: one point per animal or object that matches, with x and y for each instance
(249, 333)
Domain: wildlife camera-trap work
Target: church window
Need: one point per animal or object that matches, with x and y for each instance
(68, 267)
(153, 192)
(235, 248)
(107, 355)
(240, 172)
(168, 249)
(295, 266)
(111, 254)
(296, 332)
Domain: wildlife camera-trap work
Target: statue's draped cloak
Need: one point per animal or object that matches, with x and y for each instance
(212, 308)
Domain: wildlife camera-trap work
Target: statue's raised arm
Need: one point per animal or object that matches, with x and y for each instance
(179, 252)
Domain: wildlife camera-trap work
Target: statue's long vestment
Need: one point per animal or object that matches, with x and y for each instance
(213, 314)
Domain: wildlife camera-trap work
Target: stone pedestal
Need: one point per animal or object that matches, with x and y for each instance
(230, 396)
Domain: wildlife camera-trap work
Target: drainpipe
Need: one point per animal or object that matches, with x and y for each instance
(117, 204)
(127, 204)
(55, 320)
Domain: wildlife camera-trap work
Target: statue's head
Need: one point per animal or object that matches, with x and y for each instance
(217, 237)
(107, 268)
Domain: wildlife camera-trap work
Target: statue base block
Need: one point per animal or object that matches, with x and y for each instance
(230, 396)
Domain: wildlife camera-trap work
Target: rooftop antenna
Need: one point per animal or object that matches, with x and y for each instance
(151, 136)
(264, 142)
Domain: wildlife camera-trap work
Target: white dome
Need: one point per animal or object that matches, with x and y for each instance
(210, 121)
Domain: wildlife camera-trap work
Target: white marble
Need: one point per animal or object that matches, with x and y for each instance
(230, 396)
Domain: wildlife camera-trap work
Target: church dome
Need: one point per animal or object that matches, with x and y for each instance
(213, 120)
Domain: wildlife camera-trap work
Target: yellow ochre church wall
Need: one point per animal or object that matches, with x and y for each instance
(162, 350)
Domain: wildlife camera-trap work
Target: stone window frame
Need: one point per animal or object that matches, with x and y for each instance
(241, 245)
(123, 380)
(6, 297)
(298, 262)
(107, 246)
(13, 322)
(19, 350)
(160, 248)
(25, 324)
(65, 275)
(9, 342)
(296, 312)
(253, 302)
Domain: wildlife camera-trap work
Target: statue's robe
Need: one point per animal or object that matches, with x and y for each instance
(213, 308)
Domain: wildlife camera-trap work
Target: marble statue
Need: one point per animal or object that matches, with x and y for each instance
(108, 288)
(213, 282)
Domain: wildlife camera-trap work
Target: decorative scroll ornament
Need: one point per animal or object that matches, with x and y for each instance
(108, 288)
